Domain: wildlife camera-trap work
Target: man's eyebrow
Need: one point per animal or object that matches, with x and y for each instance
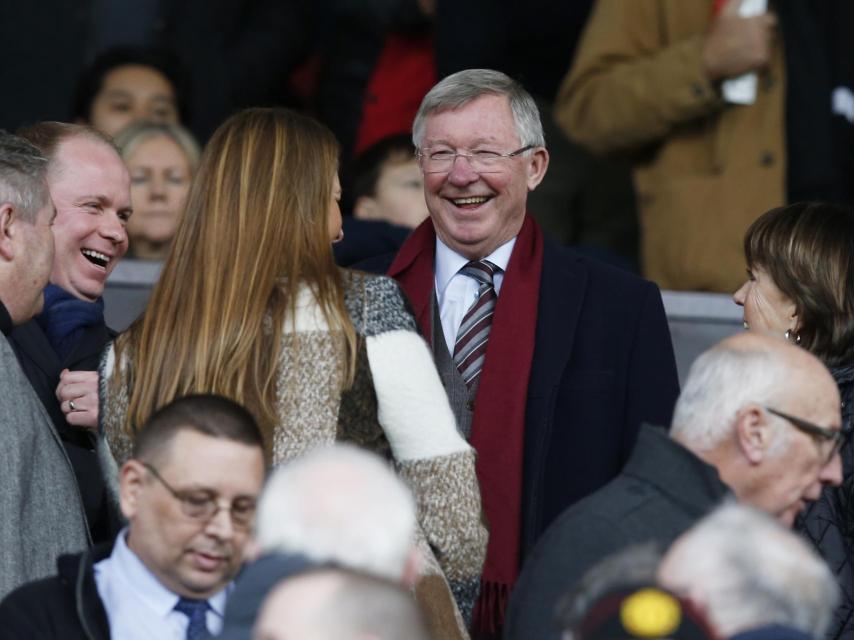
(100, 199)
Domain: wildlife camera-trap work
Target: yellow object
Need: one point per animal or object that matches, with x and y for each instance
(650, 613)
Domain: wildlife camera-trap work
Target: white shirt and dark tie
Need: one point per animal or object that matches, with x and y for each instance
(455, 291)
(139, 607)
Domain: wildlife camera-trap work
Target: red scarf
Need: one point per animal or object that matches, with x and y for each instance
(498, 424)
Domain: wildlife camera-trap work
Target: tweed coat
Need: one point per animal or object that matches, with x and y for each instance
(396, 407)
(41, 511)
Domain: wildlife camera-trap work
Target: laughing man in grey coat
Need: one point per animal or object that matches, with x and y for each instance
(41, 513)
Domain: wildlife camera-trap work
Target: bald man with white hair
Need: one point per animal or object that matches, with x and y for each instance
(758, 418)
(343, 506)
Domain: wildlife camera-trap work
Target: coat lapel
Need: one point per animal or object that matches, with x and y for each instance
(564, 284)
(88, 348)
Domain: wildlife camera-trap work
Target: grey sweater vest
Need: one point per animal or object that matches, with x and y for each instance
(460, 397)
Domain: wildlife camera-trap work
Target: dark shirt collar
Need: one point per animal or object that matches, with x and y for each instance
(772, 632)
(654, 444)
(5, 320)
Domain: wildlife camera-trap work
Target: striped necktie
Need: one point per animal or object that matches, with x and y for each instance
(470, 347)
(196, 612)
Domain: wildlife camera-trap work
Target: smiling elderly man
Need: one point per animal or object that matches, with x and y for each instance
(189, 496)
(578, 354)
(90, 187)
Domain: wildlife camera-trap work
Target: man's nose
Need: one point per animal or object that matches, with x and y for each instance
(461, 172)
(220, 525)
(112, 228)
(831, 473)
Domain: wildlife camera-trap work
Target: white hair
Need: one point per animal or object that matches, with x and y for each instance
(458, 89)
(722, 381)
(750, 572)
(340, 504)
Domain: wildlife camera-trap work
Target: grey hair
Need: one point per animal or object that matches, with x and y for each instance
(721, 381)
(749, 571)
(129, 138)
(23, 176)
(458, 89)
(340, 504)
(634, 566)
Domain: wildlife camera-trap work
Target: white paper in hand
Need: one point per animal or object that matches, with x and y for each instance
(742, 90)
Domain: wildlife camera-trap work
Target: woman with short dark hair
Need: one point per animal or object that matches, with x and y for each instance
(801, 285)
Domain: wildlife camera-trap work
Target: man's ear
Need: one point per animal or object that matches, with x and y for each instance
(538, 163)
(132, 478)
(365, 208)
(753, 432)
(8, 220)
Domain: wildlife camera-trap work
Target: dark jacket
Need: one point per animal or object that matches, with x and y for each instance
(64, 607)
(252, 586)
(662, 491)
(828, 523)
(42, 367)
(603, 364)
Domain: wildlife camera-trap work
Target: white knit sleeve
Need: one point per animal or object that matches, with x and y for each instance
(413, 409)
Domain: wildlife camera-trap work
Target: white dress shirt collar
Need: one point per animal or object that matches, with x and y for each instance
(449, 262)
(127, 586)
(148, 587)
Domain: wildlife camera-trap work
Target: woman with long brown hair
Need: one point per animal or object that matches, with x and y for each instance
(250, 305)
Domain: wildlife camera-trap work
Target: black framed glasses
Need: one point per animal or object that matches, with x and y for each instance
(837, 437)
(203, 504)
(441, 159)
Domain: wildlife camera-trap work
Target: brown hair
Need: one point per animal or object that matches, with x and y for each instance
(807, 250)
(254, 231)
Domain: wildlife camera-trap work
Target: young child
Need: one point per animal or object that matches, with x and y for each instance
(388, 185)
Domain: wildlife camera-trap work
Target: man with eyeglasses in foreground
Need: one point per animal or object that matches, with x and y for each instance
(189, 496)
(551, 361)
(758, 417)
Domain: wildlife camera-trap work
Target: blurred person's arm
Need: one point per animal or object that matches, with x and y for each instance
(647, 66)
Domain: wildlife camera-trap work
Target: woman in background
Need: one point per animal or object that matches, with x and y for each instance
(800, 285)
(251, 305)
(128, 84)
(161, 158)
